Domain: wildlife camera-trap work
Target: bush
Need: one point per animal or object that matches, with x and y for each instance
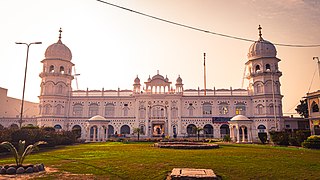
(279, 138)
(226, 138)
(263, 137)
(313, 142)
(289, 138)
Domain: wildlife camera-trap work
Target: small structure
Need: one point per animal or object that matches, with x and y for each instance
(188, 173)
(97, 129)
(313, 100)
(240, 129)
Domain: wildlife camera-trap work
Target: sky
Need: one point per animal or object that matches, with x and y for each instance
(111, 46)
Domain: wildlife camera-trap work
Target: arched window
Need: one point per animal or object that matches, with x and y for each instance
(223, 108)
(125, 111)
(240, 109)
(224, 130)
(59, 109)
(314, 107)
(77, 110)
(257, 68)
(61, 69)
(93, 110)
(57, 127)
(259, 88)
(268, 67)
(51, 69)
(142, 129)
(260, 109)
(60, 89)
(174, 113)
(207, 109)
(271, 109)
(142, 113)
(125, 129)
(47, 109)
(190, 110)
(261, 128)
(109, 110)
(174, 130)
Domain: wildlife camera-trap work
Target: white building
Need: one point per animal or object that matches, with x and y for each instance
(160, 106)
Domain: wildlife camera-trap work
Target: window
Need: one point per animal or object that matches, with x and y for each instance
(257, 68)
(223, 108)
(314, 107)
(190, 109)
(61, 69)
(260, 109)
(174, 113)
(59, 108)
(207, 109)
(51, 69)
(142, 113)
(259, 88)
(47, 109)
(271, 109)
(60, 89)
(240, 109)
(125, 111)
(93, 110)
(77, 110)
(109, 110)
(268, 67)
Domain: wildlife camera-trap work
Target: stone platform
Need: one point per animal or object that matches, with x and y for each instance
(189, 174)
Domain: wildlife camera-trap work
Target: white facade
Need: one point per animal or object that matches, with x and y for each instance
(159, 106)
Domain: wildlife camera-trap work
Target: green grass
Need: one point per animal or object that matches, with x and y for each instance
(142, 161)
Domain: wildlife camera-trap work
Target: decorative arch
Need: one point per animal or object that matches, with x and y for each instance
(208, 130)
(59, 109)
(51, 69)
(47, 109)
(260, 109)
(261, 128)
(268, 67)
(14, 126)
(109, 110)
(207, 109)
(77, 110)
(257, 68)
(110, 130)
(62, 70)
(125, 129)
(224, 130)
(76, 129)
(93, 109)
(57, 127)
(192, 130)
(240, 108)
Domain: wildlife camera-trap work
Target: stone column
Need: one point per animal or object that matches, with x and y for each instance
(94, 133)
(249, 135)
(243, 134)
(238, 134)
(231, 133)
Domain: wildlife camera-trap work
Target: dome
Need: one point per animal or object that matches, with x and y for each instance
(58, 51)
(240, 118)
(261, 48)
(97, 118)
(158, 76)
(137, 80)
(179, 80)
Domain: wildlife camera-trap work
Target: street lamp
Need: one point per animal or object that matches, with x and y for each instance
(25, 77)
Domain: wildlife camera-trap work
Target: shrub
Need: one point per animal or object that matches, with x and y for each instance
(279, 138)
(263, 137)
(226, 138)
(313, 142)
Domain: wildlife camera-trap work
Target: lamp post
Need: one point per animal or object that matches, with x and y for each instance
(25, 78)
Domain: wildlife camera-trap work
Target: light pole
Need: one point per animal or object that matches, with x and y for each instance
(25, 78)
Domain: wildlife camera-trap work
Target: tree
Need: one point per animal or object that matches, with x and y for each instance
(22, 152)
(138, 131)
(198, 130)
(302, 108)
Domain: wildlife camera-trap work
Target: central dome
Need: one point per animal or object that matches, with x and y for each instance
(261, 48)
(58, 51)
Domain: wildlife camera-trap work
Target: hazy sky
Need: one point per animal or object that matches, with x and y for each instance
(111, 46)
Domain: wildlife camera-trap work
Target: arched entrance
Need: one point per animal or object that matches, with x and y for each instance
(94, 133)
(76, 129)
(14, 126)
(243, 132)
(224, 130)
(110, 130)
(125, 129)
(261, 128)
(192, 130)
(208, 130)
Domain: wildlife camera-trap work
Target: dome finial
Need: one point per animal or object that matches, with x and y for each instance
(260, 34)
(60, 31)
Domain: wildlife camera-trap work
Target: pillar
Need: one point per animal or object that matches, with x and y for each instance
(243, 134)
(249, 135)
(94, 133)
(238, 134)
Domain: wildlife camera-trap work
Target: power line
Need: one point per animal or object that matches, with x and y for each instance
(205, 31)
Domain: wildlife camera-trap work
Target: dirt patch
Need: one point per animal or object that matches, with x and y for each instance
(49, 172)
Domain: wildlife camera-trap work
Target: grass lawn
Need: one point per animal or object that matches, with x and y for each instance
(115, 160)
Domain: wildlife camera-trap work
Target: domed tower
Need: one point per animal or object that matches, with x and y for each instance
(264, 85)
(136, 85)
(179, 85)
(56, 83)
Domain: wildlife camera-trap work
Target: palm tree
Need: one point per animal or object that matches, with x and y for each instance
(22, 152)
(138, 131)
(198, 130)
